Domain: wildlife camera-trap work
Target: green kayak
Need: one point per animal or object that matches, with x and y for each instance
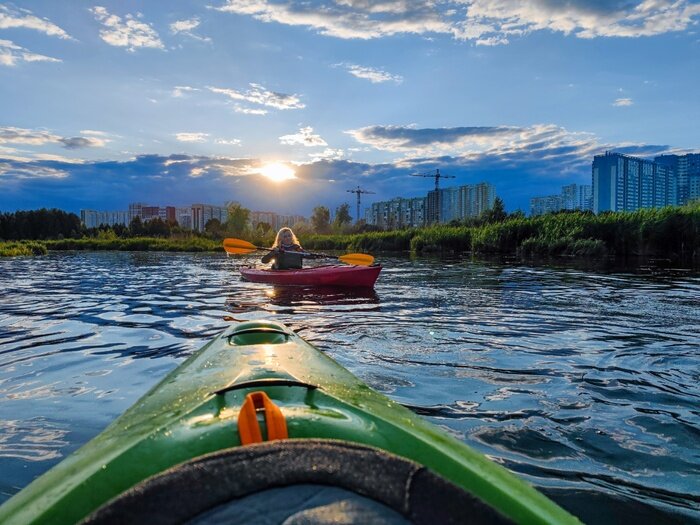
(255, 412)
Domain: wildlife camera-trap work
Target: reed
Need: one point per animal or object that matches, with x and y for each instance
(193, 244)
(18, 248)
(671, 232)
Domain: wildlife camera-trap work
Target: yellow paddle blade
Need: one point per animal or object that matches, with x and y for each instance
(358, 259)
(238, 246)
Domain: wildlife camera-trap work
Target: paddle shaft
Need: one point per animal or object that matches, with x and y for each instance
(241, 247)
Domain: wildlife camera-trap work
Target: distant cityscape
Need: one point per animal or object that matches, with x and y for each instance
(625, 183)
(193, 217)
(619, 183)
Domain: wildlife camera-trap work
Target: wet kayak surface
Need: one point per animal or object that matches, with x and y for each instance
(583, 382)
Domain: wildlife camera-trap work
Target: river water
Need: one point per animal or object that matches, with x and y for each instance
(585, 383)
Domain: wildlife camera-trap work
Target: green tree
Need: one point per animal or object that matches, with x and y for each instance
(214, 228)
(238, 219)
(342, 217)
(136, 227)
(497, 213)
(157, 227)
(321, 219)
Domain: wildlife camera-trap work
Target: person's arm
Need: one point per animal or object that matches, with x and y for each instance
(270, 255)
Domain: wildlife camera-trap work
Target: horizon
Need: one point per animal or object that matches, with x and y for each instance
(286, 105)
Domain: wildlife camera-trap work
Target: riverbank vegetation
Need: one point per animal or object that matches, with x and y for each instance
(671, 233)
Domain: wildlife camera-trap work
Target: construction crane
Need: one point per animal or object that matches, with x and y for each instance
(359, 191)
(434, 207)
(437, 175)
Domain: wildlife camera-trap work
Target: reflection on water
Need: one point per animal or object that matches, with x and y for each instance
(303, 298)
(585, 382)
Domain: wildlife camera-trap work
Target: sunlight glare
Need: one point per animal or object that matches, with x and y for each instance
(277, 172)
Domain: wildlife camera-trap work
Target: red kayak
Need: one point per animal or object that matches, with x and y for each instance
(336, 275)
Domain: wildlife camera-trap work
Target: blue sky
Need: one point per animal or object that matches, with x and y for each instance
(172, 103)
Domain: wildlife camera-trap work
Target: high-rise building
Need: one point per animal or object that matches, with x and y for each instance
(203, 213)
(572, 197)
(548, 204)
(94, 219)
(183, 216)
(397, 213)
(442, 206)
(585, 197)
(625, 183)
(687, 172)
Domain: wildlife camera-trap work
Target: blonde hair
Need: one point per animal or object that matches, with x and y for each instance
(279, 235)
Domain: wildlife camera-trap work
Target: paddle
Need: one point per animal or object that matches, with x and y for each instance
(239, 246)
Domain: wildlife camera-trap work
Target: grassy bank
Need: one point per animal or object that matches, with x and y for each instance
(137, 244)
(672, 232)
(17, 248)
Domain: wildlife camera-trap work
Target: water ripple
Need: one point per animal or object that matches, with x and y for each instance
(583, 382)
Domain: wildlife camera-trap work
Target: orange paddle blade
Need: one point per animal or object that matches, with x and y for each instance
(358, 259)
(239, 246)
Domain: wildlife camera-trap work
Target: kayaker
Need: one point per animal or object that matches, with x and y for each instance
(285, 251)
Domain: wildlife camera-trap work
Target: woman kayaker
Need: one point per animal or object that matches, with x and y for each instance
(286, 251)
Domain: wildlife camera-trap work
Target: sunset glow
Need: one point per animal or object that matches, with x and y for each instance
(277, 172)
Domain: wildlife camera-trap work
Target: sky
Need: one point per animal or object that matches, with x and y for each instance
(284, 105)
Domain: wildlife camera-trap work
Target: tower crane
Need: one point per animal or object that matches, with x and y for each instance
(437, 176)
(359, 191)
(434, 203)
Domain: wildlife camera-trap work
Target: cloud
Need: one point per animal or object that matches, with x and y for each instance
(327, 154)
(19, 171)
(249, 111)
(553, 157)
(304, 137)
(128, 32)
(11, 54)
(186, 26)
(374, 75)
(180, 91)
(11, 19)
(410, 139)
(261, 96)
(229, 142)
(347, 19)
(623, 102)
(11, 135)
(486, 22)
(191, 137)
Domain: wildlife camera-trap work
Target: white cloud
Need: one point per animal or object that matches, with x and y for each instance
(374, 75)
(259, 95)
(496, 141)
(191, 137)
(248, 111)
(621, 102)
(11, 54)
(486, 22)
(304, 137)
(229, 142)
(32, 171)
(11, 135)
(186, 27)
(327, 154)
(180, 91)
(128, 32)
(11, 19)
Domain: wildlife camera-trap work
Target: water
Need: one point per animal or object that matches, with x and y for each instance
(583, 382)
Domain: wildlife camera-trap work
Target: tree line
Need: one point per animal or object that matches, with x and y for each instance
(51, 224)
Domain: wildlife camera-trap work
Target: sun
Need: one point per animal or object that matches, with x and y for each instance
(277, 172)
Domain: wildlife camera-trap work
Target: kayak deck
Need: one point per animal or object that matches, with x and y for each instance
(194, 411)
(330, 275)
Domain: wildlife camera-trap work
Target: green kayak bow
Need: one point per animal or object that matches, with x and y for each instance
(260, 382)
